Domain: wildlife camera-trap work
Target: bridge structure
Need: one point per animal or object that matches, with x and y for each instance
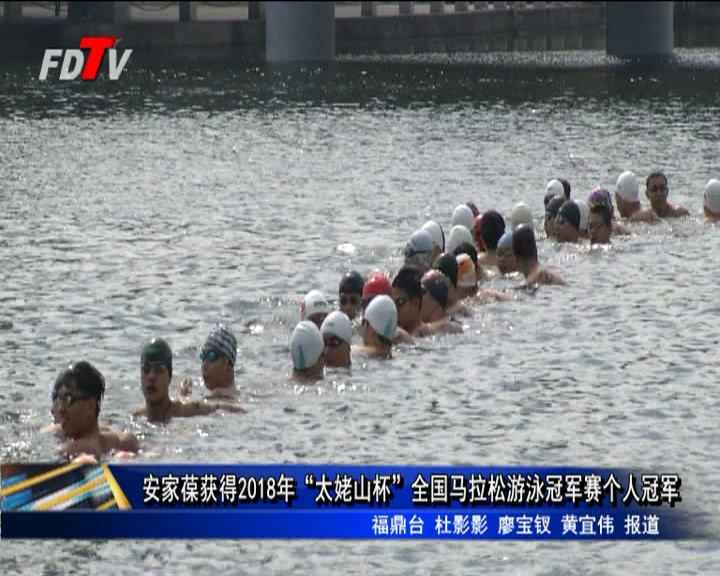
(311, 31)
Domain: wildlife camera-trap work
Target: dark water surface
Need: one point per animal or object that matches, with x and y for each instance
(175, 198)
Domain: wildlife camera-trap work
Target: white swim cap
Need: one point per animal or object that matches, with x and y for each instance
(711, 199)
(436, 233)
(381, 314)
(584, 213)
(306, 345)
(463, 216)
(627, 187)
(555, 187)
(420, 247)
(338, 324)
(466, 271)
(458, 235)
(314, 303)
(521, 214)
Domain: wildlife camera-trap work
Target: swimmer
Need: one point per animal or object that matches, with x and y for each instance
(434, 302)
(657, 189)
(602, 196)
(218, 357)
(476, 236)
(419, 249)
(584, 217)
(521, 214)
(474, 291)
(469, 249)
(627, 197)
(554, 188)
(438, 238)
(567, 222)
(505, 257)
(525, 251)
(379, 326)
(407, 293)
(447, 264)
(81, 388)
(155, 377)
(336, 331)
(600, 224)
(307, 349)
(551, 212)
(314, 307)
(462, 216)
(711, 200)
(350, 293)
(493, 226)
(458, 235)
(378, 285)
(56, 427)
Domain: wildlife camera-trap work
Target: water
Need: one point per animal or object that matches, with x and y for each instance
(176, 198)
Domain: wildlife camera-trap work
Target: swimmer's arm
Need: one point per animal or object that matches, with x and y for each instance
(402, 337)
(491, 294)
(140, 412)
(128, 442)
(198, 408)
(185, 390)
(51, 429)
(681, 211)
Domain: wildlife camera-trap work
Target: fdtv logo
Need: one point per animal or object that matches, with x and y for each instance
(73, 62)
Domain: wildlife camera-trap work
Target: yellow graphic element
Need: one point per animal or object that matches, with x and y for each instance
(122, 501)
(87, 487)
(106, 505)
(39, 478)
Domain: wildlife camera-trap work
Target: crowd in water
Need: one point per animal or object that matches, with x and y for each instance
(439, 282)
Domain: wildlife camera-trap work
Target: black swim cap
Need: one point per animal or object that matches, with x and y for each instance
(566, 187)
(549, 196)
(437, 287)
(157, 352)
(553, 207)
(408, 279)
(492, 227)
(447, 264)
(474, 209)
(352, 283)
(570, 212)
(523, 243)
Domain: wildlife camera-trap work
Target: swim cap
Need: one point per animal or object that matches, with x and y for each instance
(493, 226)
(566, 187)
(462, 216)
(474, 209)
(584, 213)
(376, 285)
(627, 187)
(306, 345)
(338, 324)
(466, 271)
(381, 314)
(520, 214)
(600, 196)
(436, 285)
(570, 212)
(458, 235)
(221, 340)
(554, 187)
(711, 198)
(523, 243)
(157, 352)
(314, 303)
(420, 246)
(553, 207)
(447, 264)
(505, 243)
(351, 283)
(436, 233)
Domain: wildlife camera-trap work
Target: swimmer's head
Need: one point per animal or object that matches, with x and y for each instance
(493, 226)
(521, 214)
(419, 249)
(476, 233)
(438, 237)
(336, 331)
(567, 222)
(524, 247)
(350, 293)
(566, 188)
(600, 196)
(599, 224)
(377, 284)
(307, 349)
(407, 293)
(447, 264)
(551, 212)
(218, 356)
(474, 209)
(626, 187)
(314, 307)
(458, 235)
(467, 277)
(711, 199)
(77, 395)
(469, 249)
(462, 216)
(584, 216)
(657, 189)
(435, 299)
(554, 188)
(156, 370)
(505, 257)
(380, 322)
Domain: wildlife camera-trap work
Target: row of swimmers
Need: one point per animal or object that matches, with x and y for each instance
(436, 286)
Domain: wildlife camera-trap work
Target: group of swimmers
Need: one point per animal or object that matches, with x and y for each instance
(438, 282)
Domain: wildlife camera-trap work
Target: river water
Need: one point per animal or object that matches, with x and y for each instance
(176, 198)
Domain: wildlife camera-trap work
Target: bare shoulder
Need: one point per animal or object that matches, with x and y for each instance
(114, 440)
(680, 211)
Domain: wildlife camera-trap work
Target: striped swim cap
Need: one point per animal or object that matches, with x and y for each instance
(221, 340)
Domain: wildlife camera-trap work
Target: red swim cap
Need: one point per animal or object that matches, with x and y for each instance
(477, 233)
(376, 285)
